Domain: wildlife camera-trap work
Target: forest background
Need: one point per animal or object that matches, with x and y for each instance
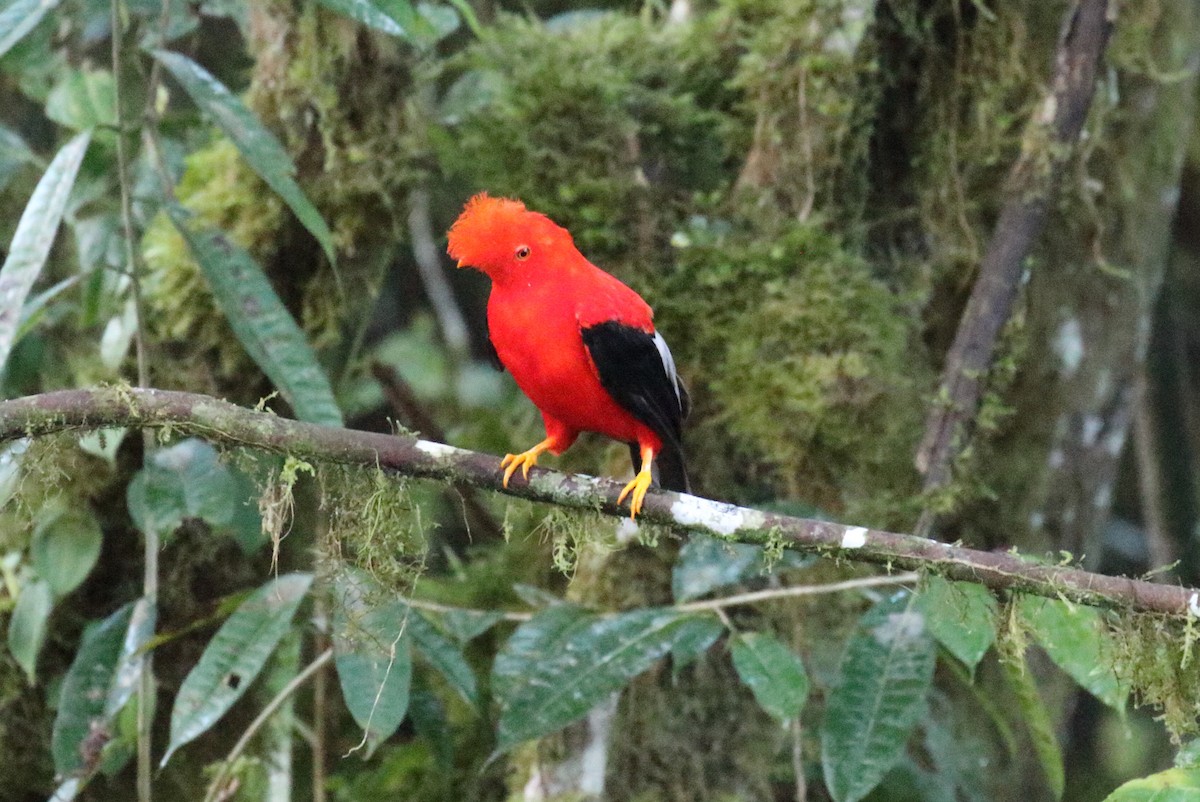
(929, 267)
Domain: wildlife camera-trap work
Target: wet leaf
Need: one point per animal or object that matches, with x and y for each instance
(444, 655)
(693, 639)
(35, 235)
(234, 657)
(18, 18)
(1076, 639)
(773, 672)
(27, 627)
(961, 616)
(563, 664)
(82, 705)
(1172, 785)
(260, 321)
(373, 655)
(66, 545)
(884, 676)
(258, 146)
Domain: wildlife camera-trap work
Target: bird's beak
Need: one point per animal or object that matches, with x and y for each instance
(461, 263)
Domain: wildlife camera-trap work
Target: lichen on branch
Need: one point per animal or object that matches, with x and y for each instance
(225, 423)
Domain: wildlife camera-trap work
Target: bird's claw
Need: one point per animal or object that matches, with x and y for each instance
(637, 487)
(525, 460)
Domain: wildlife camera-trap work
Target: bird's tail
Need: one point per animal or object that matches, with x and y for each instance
(669, 468)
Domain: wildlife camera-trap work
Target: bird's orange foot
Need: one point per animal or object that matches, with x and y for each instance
(525, 460)
(636, 490)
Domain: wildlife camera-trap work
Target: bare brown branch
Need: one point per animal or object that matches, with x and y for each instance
(1048, 144)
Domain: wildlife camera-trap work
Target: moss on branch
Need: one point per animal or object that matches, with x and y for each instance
(225, 423)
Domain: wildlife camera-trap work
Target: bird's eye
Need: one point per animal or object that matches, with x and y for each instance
(523, 253)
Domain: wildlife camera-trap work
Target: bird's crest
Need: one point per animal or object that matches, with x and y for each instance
(489, 228)
(482, 220)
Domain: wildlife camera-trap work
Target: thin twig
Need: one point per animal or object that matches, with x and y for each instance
(150, 537)
(433, 277)
(224, 423)
(1149, 475)
(214, 788)
(774, 594)
(1030, 187)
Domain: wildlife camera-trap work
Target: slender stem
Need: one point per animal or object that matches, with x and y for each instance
(434, 607)
(214, 789)
(150, 537)
(771, 594)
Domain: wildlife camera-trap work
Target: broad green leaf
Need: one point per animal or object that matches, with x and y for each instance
(961, 616)
(706, 564)
(1172, 785)
(35, 235)
(85, 691)
(260, 321)
(532, 642)
(773, 672)
(18, 18)
(258, 146)
(372, 15)
(234, 657)
(429, 719)
(373, 655)
(1037, 720)
(466, 625)
(1075, 638)
(693, 639)
(83, 99)
(884, 676)
(574, 668)
(27, 627)
(103, 443)
(133, 656)
(444, 655)
(66, 545)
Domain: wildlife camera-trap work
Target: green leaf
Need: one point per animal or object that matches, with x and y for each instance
(19, 18)
(572, 668)
(706, 563)
(371, 15)
(35, 235)
(155, 500)
(693, 639)
(133, 656)
(234, 657)
(1077, 641)
(1037, 720)
(27, 627)
(884, 676)
(1172, 785)
(260, 321)
(83, 99)
(373, 655)
(444, 656)
(66, 545)
(85, 691)
(961, 616)
(258, 146)
(466, 625)
(773, 672)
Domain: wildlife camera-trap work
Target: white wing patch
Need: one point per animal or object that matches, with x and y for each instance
(668, 364)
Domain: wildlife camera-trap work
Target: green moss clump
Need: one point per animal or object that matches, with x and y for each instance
(375, 526)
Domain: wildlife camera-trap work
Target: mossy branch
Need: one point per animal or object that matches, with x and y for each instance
(225, 423)
(1032, 180)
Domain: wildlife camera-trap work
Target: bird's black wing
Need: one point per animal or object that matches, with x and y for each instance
(637, 370)
(493, 354)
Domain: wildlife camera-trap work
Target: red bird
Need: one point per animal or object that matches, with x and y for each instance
(579, 343)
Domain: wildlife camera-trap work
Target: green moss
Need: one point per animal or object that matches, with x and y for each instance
(374, 525)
